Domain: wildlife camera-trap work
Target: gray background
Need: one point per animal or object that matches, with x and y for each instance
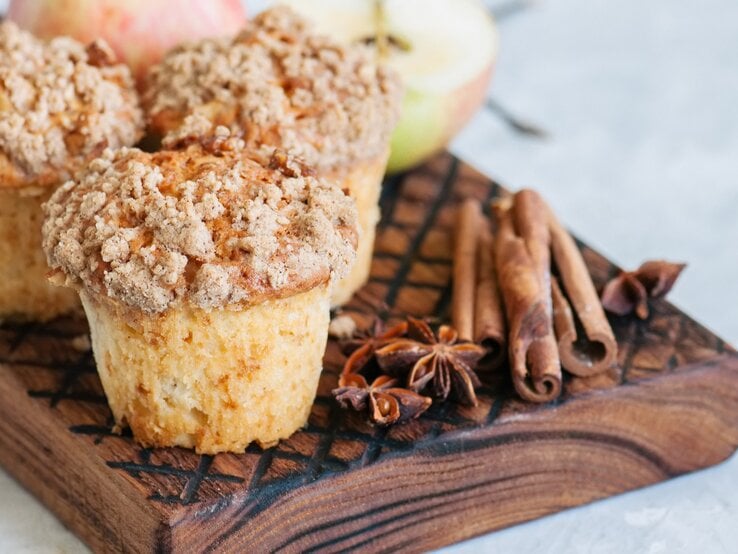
(639, 103)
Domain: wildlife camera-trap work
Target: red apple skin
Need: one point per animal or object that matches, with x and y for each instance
(465, 101)
(139, 31)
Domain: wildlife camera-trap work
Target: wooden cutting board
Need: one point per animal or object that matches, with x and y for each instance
(671, 408)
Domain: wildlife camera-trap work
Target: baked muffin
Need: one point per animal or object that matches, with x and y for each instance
(278, 84)
(61, 104)
(205, 275)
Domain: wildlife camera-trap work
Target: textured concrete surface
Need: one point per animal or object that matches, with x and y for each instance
(638, 101)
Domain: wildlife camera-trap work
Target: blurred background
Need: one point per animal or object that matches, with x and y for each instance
(623, 114)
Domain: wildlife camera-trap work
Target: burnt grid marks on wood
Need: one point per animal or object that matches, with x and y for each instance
(320, 463)
(70, 378)
(193, 478)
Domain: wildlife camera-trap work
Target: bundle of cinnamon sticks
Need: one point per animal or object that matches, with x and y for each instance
(525, 291)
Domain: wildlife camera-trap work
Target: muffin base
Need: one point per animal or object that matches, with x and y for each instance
(364, 184)
(25, 292)
(213, 381)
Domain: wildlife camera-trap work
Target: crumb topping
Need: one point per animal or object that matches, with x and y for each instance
(61, 103)
(279, 84)
(214, 226)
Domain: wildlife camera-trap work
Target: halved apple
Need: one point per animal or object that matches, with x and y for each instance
(139, 31)
(445, 51)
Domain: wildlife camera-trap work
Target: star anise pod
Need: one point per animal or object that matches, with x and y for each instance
(387, 403)
(361, 350)
(434, 359)
(630, 291)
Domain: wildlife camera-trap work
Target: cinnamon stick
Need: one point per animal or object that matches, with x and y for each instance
(489, 318)
(587, 345)
(531, 224)
(519, 257)
(468, 221)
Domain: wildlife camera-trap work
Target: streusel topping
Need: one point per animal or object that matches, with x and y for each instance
(61, 104)
(214, 227)
(279, 84)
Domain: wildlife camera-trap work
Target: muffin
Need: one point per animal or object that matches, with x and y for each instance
(61, 104)
(278, 84)
(205, 275)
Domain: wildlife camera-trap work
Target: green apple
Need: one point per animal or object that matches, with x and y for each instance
(445, 51)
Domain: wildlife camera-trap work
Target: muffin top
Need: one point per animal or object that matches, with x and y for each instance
(277, 84)
(61, 104)
(215, 226)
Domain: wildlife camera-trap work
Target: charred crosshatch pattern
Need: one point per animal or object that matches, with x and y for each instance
(410, 274)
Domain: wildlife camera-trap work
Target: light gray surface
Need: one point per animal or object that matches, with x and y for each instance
(642, 160)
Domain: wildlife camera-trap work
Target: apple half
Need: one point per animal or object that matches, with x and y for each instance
(445, 51)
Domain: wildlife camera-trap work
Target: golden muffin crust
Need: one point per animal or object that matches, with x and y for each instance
(214, 381)
(215, 227)
(61, 104)
(279, 84)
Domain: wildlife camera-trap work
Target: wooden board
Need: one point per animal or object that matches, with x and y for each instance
(340, 484)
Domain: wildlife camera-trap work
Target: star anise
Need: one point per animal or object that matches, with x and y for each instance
(630, 291)
(434, 359)
(386, 402)
(361, 350)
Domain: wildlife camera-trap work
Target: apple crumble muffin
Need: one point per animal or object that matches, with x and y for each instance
(205, 274)
(61, 104)
(280, 84)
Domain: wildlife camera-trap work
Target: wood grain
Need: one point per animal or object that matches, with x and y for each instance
(670, 407)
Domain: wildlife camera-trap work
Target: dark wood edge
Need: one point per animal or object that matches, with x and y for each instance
(709, 389)
(48, 465)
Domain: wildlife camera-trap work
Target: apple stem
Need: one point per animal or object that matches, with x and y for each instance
(380, 19)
